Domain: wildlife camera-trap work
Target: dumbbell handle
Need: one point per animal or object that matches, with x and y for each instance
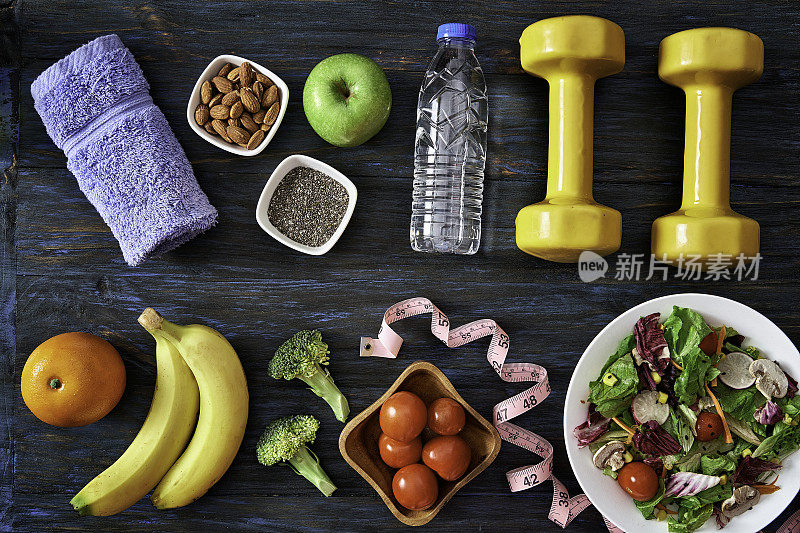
(707, 153)
(569, 167)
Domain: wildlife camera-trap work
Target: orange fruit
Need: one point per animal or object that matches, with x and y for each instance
(73, 379)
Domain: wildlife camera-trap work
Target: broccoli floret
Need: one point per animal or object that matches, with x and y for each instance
(300, 357)
(284, 441)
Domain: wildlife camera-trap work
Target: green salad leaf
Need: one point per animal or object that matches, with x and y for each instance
(612, 400)
(785, 440)
(647, 508)
(698, 369)
(739, 403)
(715, 494)
(690, 518)
(717, 465)
(684, 329)
(677, 427)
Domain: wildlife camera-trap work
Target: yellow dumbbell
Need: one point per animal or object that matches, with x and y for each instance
(571, 53)
(709, 64)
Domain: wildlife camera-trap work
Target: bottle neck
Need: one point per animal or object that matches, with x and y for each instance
(456, 42)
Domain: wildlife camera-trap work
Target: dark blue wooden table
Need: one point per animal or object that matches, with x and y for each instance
(62, 269)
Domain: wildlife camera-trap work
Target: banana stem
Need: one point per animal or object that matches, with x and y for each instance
(150, 319)
(306, 463)
(322, 385)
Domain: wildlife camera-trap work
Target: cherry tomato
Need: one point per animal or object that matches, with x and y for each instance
(403, 416)
(709, 343)
(639, 480)
(446, 416)
(399, 454)
(709, 426)
(415, 487)
(448, 456)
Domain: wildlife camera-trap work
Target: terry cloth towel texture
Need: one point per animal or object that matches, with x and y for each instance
(97, 107)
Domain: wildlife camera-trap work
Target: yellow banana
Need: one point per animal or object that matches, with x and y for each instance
(160, 441)
(223, 411)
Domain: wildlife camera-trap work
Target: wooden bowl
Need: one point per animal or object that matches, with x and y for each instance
(358, 442)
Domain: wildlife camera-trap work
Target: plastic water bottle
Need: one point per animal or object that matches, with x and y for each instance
(450, 150)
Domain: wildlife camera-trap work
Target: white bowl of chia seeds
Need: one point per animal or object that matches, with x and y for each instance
(306, 204)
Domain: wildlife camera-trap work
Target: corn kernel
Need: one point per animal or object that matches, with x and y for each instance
(628, 457)
(610, 379)
(662, 514)
(746, 452)
(723, 479)
(656, 377)
(663, 397)
(787, 419)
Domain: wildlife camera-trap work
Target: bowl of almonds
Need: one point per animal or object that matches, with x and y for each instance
(237, 105)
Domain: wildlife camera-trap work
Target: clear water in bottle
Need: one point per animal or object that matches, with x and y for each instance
(450, 149)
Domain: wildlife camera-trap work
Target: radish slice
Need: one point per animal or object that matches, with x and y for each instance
(645, 407)
(734, 370)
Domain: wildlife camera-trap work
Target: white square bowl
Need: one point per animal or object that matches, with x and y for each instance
(211, 70)
(292, 162)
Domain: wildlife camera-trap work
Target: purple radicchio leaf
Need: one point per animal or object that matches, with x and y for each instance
(768, 414)
(750, 469)
(595, 426)
(792, 386)
(645, 378)
(652, 439)
(682, 484)
(650, 342)
(654, 462)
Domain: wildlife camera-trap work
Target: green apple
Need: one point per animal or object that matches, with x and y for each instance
(347, 99)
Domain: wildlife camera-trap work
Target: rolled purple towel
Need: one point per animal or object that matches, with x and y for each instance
(96, 106)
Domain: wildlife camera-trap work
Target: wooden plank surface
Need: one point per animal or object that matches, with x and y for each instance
(62, 269)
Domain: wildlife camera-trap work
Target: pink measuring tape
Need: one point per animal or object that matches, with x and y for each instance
(563, 509)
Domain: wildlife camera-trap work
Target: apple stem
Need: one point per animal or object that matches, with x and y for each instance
(343, 89)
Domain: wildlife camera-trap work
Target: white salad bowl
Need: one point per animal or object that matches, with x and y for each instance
(603, 491)
(291, 162)
(211, 71)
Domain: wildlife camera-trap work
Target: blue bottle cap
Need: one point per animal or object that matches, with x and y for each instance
(456, 30)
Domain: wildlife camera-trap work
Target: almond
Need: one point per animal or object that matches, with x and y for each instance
(210, 128)
(236, 109)
(266, 127)
(223, 85)
(215, 100)
(246, 77)
(220, 112)
(234, 122)
(201, 114)
(249, 100)
(259, 117)
(272, 114)
(227, 67)
(230, 98)
(247, 121)
(265, 81)
(206, 92)
(258, 90)
(238, 135)
(255, 140)
(270, 97)
(233, 75)
(220, 127)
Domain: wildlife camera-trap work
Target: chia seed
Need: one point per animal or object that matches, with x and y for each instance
(308, 206)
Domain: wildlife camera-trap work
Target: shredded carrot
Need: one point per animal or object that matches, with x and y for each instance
(767, 489)
(622, 425)
(714, 382)
(718, 407)
(676, 365)
(721, 339)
